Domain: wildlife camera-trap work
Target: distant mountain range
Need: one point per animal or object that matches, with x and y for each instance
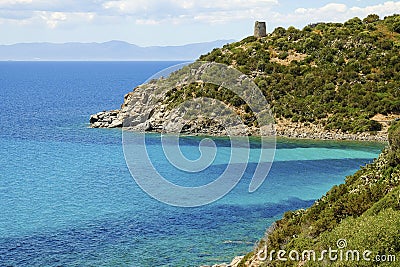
(113, 50)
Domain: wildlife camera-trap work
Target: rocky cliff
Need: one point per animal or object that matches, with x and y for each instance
(154, 107)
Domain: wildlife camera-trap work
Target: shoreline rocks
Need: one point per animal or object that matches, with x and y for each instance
(157, 123)
(235, 262)
(285, 128)
(106, 119)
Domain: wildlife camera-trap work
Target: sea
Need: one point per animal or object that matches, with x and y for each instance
(67, 197)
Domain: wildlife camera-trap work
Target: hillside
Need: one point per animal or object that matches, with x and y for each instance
(364, 211)
(340, 76)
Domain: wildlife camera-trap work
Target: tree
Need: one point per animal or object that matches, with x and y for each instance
(371, 18)
(354, 24)
(280, 31)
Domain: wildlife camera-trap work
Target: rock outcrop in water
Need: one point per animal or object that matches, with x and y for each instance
(106, 119)
(159, 119)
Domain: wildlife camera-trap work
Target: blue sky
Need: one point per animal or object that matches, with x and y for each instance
(167, 22)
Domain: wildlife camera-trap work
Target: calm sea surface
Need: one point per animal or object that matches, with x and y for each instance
(67, 197)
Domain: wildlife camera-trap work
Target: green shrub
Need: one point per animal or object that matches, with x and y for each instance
(371, 18)
(394, 142)
(283, 55)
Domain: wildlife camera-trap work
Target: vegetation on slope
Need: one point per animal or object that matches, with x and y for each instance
(365, 211)
(195, 90)
(337, 75)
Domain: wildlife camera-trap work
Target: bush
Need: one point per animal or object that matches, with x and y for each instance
(361, 211)
(283, 55)
(394, 142)
(371, 18)
(394, 136)
(366, 125)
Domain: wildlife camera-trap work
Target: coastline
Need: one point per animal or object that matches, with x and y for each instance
(283, 128)
(150, 108)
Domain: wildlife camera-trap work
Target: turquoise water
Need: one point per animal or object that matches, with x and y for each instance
(67, 197)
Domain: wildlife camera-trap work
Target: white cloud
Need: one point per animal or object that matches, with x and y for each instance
(127, 6)
(143, 12)
(177, 11)
(51, 13)
(146, 22)
(151, 12)
(53, 19)
(386, 8)
(50, 19)
(14, 2)
(52, 5)
(334, 12)
(332, 7)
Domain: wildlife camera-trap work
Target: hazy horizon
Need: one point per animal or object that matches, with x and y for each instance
(118, 41)
(107, 51)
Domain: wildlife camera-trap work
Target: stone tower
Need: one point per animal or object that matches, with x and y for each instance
(260, 29)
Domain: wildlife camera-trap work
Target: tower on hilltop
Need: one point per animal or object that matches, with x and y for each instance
(260, 29)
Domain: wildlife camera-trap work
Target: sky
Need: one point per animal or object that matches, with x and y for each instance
(168, 22)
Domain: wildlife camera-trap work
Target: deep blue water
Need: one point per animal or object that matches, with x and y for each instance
(67, 197)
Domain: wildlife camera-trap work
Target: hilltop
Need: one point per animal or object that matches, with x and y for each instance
(341, 77)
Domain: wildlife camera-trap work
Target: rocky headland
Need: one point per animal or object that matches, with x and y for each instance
(157, 117)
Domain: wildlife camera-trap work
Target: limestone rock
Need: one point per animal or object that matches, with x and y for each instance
(106, 119)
